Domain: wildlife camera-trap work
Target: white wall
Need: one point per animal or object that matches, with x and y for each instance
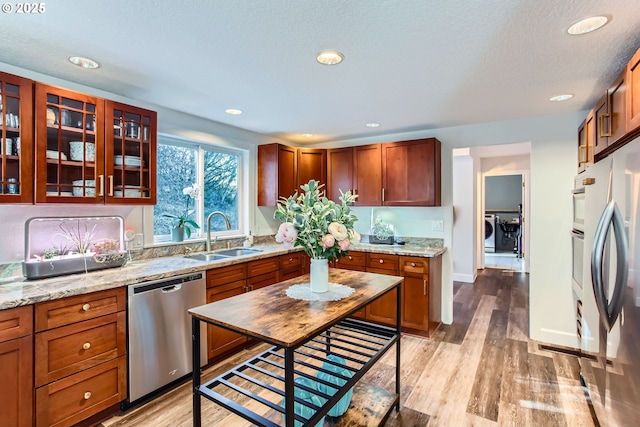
(465, 230)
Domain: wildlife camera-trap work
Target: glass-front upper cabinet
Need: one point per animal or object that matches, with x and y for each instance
(69, 146)
(16, 138)
(130, 154)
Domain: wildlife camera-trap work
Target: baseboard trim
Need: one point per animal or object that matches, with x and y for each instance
(465, 278)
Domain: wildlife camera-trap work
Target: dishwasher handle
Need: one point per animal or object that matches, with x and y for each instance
(172, 288)
(165, 285)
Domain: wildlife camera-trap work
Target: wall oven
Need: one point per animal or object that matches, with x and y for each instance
(578, 208)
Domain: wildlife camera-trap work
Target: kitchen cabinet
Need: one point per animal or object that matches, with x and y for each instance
(357, 169)
(411, 173)
(586, 140)
(277, 173)
(610, 115)
(382, 310)
(80, 357)
(91, 150)
(16, 367)
(290, 265)
(312, 164)
(633, 93)
(354, 261)
(339, 172)
(16, 131)
(421, 297)
(224, 282)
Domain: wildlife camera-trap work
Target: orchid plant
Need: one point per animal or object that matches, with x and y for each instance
(192, 193)
(323, 228)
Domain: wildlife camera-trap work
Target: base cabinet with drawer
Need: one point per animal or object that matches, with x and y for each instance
(16, 367)
(80, 357)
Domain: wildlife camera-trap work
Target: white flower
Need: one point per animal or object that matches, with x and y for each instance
(354, 237)
(337, 230)
(192, 191)
(287, 235)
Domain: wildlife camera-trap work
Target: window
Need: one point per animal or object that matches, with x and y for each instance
(217, 170)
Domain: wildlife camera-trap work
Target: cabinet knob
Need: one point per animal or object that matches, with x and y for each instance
(381, 261)
(350, 258)
(86, 346)
(413, 264)
(86, 307)
(87, 395)
(290, 259)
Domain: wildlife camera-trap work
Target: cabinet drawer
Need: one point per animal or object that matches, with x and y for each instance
(382, 261)
(263, 280)
(75, 398)
(262, 266)
(65, 351)
(16, 322)
(223, 289)
(222, 275)
(414, 266)
(353, 259)
(65, 311)
(290, 260)
(290, 273)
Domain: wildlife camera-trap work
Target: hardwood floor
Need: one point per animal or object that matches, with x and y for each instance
(482, 370)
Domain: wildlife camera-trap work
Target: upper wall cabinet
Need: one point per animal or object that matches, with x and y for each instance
(411, 173)
(16, 149)
(586, 139)
(89, 150)
(312, 164)
(358, 169)
(633, 93)
(610, 113)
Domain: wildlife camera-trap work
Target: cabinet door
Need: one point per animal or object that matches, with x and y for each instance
(16, 393)
(617, 109)
(312, 164)
(16, 148)
(383, 310)
(633, 93)
(339, 172)
(220, 340)
(582, 146)
(601, 115)
(367, 175)
(415, 303)
(130, 154)
(264, 280)
(69, 146)
(411, 173)
(277, 173)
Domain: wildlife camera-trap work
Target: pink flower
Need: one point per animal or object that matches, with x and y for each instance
(344, 244)
(287, 235)
(328, 241)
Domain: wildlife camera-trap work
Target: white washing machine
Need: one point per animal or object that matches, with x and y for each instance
(489, 233)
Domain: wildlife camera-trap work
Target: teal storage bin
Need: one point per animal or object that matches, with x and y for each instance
(301, 409)
(343, 404)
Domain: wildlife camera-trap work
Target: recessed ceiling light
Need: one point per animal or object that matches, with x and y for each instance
(562, 97)
(307, 135)
(330, 57)
(373, 125)
(587, 25)
(234, 111)
(83, 62)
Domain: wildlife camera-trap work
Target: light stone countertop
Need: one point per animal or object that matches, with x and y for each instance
(17, 291)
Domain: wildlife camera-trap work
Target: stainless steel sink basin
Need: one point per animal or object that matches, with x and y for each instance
(238, 252)
(207, 257)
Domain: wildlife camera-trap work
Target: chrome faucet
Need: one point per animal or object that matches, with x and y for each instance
(226, 222)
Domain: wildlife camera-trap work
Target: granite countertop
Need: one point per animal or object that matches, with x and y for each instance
(17, 291)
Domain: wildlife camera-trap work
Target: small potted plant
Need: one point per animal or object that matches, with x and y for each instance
(182, 224)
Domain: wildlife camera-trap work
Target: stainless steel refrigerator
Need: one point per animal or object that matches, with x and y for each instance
(610, 341)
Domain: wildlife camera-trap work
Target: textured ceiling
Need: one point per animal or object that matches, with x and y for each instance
(409, 64)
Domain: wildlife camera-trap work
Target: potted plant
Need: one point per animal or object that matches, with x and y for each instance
(182, 224)
(323, 228)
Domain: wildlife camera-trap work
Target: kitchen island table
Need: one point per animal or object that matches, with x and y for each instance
(303, 334)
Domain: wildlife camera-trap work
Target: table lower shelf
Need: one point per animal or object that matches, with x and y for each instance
(255, 389)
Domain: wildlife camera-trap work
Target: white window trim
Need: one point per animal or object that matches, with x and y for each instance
(201, 234)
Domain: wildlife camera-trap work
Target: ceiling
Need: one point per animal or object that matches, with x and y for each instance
(409, 64)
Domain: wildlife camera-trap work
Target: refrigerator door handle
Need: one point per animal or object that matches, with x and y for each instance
(622, 267)
(609, 311)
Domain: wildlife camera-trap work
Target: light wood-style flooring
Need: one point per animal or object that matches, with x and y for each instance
(482, 370)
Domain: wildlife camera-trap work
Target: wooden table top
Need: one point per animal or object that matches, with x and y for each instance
(269, 315)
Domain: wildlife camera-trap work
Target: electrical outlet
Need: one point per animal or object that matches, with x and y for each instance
(137, 242)
(437, 225)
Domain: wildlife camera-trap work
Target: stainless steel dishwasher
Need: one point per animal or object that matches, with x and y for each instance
(160, 332)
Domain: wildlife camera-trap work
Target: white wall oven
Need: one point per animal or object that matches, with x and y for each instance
(578, 205)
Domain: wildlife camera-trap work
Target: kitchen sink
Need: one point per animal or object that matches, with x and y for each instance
(237, 252)
(207, 256)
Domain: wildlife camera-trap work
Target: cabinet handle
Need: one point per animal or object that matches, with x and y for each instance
(86, 346)
(86, 307)
(350, 258)
(381, 261)
(425, 286)
(383, 194)
(290, 259)
(101, 185)
(111, 186)
(588, 181)
(601, 123)
(582, 154)
(87, 395)
(413, 264)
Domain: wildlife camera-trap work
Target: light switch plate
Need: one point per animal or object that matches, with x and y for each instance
(137, 242)
(437, 225)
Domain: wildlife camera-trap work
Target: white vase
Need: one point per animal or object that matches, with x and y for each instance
(319, 275)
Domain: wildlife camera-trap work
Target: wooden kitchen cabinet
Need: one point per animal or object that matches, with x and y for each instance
(277, 173)
(290, 265)
(312, 164)
(411, 173)
(354, 260)
(421, 298)
(367, 175)
(586, 140)
(383, 310)
(633, 93)
(340, 170)
(610, 115)
(80, 356)
(16, 131)
(16, 367)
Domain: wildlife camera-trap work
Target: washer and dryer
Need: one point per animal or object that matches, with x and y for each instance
(489, 233)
